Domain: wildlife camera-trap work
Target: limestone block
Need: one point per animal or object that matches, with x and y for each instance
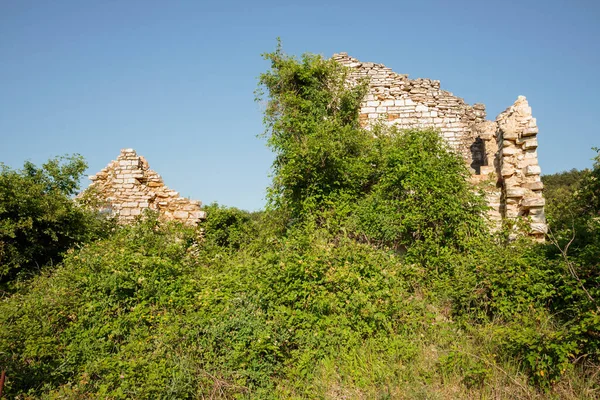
(539, 227)
(197, 215)
(533, 170)
(181, 214)
(530, 144)
(538, 218)
(526, 162)
(509, 150)
(510, 133)
(507, 170)
(531, 154)
(516, 192)
(535, 186)
(530, 202)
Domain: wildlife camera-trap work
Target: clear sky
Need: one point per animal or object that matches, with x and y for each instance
(175, 79)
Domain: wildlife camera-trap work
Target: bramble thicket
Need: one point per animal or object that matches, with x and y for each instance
(370, 274)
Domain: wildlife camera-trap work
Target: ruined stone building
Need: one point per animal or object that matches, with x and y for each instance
(502, 152)
(127, 186)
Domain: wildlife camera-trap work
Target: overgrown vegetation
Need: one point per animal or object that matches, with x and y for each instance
(369, 275)
(38, 219)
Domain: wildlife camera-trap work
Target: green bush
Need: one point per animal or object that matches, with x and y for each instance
(38, 219)
(141, 315)
(387, 187)
(228, 227)
(419, 193)
(312, 126)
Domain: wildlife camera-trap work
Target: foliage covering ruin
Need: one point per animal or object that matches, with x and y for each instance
(369, 275)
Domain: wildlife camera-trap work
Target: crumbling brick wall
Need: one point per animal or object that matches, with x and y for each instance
(127, 186)
(503, 151)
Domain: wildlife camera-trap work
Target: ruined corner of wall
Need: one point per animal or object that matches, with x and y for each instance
(518, 168)
(127, 186)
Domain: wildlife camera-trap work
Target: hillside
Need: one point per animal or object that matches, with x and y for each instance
(372, 274)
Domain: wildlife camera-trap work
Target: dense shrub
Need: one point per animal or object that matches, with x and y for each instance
(419, 193)
(575, 246)
(38, 219)
(145, 314)
(228, 227)
(388, 187)
(312, 126)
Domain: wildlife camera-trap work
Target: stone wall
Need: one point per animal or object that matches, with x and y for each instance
(501, 153)
(127, 187)
(518, 165)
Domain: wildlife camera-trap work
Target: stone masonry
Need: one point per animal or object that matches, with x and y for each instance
(127, 187)
(501, 153)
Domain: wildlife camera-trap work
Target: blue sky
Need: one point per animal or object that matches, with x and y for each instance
(175, 79)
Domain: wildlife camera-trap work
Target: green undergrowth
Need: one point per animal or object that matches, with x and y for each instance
(152, 313)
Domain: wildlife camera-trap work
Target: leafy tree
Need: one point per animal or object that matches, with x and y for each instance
(574, 215)
(312, 126)
(559, 192)
(385, 186)
(39, 220)
(589, 195)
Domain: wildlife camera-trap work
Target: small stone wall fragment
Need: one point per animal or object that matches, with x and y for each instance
(128, 186)
(518, 165)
